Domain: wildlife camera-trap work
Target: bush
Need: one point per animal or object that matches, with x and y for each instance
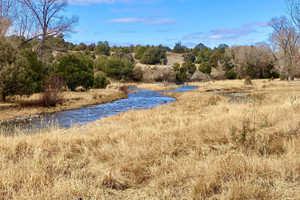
(189, 58)
(52, 94)
(181, 75)
(101, 81)
(154, 55)
(121, 54)
(102, 48)
(191, 67)
(230, 74)
(176, 67)
(36, 72)
(16, 74)
(76, 72)
(205, 68)
(118, 68)
(100, 62)
(248, 80)
(137, 74)
(139, 52)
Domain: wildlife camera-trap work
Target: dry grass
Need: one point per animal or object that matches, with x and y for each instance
(72, 100)
(199, 147)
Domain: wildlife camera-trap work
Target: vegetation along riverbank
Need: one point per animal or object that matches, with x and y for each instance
(207, 148)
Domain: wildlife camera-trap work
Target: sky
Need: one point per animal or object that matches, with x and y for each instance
(166, 22)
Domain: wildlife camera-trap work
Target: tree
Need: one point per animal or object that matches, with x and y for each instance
(7, 12)
(191, 67)
(14, 72)
(204, 55)
(82, 46)
(102, 48)
(286, 43)
(189, 57)
(294, 11)
(139, 52)
(179, 48)
(205, 67)
(117, 67)
(48, 19)
(76, 72)
(154, 55)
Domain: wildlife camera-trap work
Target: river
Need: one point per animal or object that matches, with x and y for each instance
(137, 99)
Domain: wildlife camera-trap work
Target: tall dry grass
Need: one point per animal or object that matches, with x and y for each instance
(71, 100)
(199, 147)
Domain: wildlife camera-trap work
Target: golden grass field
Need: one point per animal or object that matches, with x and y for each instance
(72, 100)
(199, 147)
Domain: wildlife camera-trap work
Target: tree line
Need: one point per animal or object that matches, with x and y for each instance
(33, 50)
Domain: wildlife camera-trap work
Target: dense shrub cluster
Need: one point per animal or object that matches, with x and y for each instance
(76, 72)
(115, 67)
(101, 81)
(151, 55)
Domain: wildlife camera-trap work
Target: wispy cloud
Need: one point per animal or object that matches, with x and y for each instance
(88, 2)
(148, 21)
(228, 33)
(137, 10)
(78, 30)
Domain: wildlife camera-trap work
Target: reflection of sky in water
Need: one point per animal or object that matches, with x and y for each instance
(143, 99)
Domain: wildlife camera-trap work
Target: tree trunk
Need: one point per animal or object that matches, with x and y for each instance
(43, 44)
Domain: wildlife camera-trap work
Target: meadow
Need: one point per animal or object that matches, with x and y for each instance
(202, 146)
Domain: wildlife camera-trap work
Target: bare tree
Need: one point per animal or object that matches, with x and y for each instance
(47, 15)
(7, 12)
(294, 11)
(286, 41)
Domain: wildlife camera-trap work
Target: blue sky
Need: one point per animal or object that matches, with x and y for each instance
(211, 22)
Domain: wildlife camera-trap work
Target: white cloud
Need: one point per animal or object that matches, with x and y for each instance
(148, 21)
(228, 33)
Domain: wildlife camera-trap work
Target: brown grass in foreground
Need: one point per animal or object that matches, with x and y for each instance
(72, 100)
(199, 147)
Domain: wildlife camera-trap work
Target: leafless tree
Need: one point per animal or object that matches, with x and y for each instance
(286, 46)
(7, 12)
(47, 15)
(294, 11)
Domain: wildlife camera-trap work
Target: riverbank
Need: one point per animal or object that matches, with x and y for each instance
(199, 147)
(72, 101)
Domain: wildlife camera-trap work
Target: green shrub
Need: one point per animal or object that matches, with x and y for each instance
(181, 75)
(100, 62)
(191, 67)
(101, 81)
(205, 68)
(36, 71)
(16, 74)
(102, 48)
(230, 74)
(154, 55)
(118, 68)
(76, 72)
(282, 77)
(176, 67)
(189, 58)
(139, 52)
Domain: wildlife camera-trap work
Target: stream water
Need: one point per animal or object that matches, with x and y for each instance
(137, 99)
